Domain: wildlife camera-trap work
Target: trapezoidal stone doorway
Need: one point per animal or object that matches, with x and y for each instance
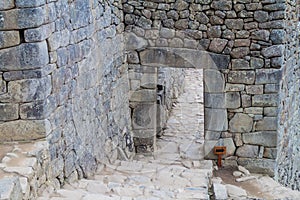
(144, 65)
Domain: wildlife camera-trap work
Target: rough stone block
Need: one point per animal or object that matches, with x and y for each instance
(256, 63)
(240, 64)
(22, 130)
(247, 151)
(214, 100)
(220, 191)
(255, 89)
(144, 116)
(268, 76)
(232, 100)
(9, 111)
(214, 81)
(265, 100)
(264, 138)
(33, 110)
(270, 153)
(10, 189)
(39, 34)
(29, 89)
(273, 51)
(24, 56)
(244, 77)
(254, 110)
(271, 111)
(266, 124)
(241, 123)
(133, 42)
(31, 3)
(216, 120)
(217, 45)
(9, 39)
(234, 87)
(144, 95)
(7, 4)
(255, 165)
(278, 36)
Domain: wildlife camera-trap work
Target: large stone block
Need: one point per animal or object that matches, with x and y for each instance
(7, 4)
(23, 130)
(9, 111)
(39, 34)
(214, 81)
(216, 120)
(81, 14)
(144, 116)
(28, 90)
(273, 51)
(244, 77)
(268, 76)
(24, 56)
(9, 39)
(255, 165)
(133, 42)
(241, 123)
(10, 189)
(266, 124)
(214, 100)
(265, 100)
(28, 4)
(232, 100)
(34, 110)
(263, 138)
(210, 144)
(247, 151)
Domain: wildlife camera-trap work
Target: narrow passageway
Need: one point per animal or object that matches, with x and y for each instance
(175, 171)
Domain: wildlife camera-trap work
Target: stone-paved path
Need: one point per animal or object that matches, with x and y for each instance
(176, 171)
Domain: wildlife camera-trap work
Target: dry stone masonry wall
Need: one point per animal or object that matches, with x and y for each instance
(84, 75)
(245, 40)
(288, 160)
(63, 77)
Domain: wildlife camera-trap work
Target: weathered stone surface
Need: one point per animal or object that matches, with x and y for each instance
(232, 100)
(255, 89)
(234, 24)
(144, 116)
(258, 165)
(273, 51)
(262, 35)
(256, 63)
(213, 81)
(9, 111)
(270, 153)
(214, 100)
(39, 34)
(24, 56)
(278, 36)
(8, 4)
(240, 52)
(247, 151)
(133, 42)
(265, 100)
(9, 39)
(267, 76)
(35, 110)
(241, 123)
(220, 191)
(29, 89)
(216, 119)
(240, 64)
(266, 124)
(244, 77)
(33, 3)
(10, 188)
(217, 45)
(22, 130)
(235, 191)
(264, 138)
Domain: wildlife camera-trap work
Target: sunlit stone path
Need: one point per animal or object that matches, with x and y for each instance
(175, 171)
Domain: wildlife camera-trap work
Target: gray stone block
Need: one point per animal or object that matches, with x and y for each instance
(265, 100)
(220, 191)
(241, 123)
(216, 119)
(28, 4)
(214, 100)
(214, 81)
(39, 34)
(144, 116)
(7, 4)
(133, 42)
(273, 51)
(247, 151)
(10, 189)
(9, 111)
(240, 64)
(144, 95)
(264, 138)
(244, 77)
(22, 130)
(35, 110)
(268, 76)
(266, 124)
(9, 39)
(24, 56)
(232, 100)
(254, 165)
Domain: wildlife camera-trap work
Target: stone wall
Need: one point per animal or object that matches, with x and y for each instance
(240, 44)
(288, 160)
(63, 78)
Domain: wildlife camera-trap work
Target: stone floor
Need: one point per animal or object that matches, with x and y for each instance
(176, 171)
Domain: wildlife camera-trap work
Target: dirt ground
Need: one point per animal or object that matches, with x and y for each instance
(252, 187)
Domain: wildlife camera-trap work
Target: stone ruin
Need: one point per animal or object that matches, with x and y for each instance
(95, 79)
